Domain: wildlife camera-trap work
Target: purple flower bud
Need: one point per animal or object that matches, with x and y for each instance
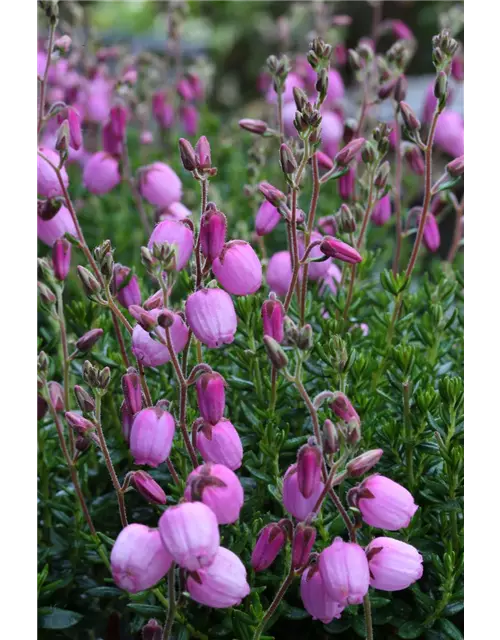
(415, 159)
(317, 270)
(151, 436)
(61, 258)
(385, 504)
(74, 125)
(394, 565)
(190, 534)
(328, 225)
(220, 444)
(363, 463)
(152, 631)
(131, 385)
(343, 409)
(330, 437)
(293, 500)
(50, 230)
(349, 152)
(382, 211)
(184, 90)
(269, 543)
(129, 293)
(344, 570)
(189, 118)
(85, 401)
(47, 183)
(339, 250)
(138, 558)
(219, 488)
(210, 314)
(77, 422)
(163, 112)
(148, 488)
(273, 315)
(303, 541)
(101, 173)
(56, 395)
(188, 157)
(110, 142)
(267, 218)
(159, 184)
(456, 167)
(254, 126)
(347, 183)
(176, 234)
(238, 268)
(410, 119)
(432, 237)
(308, 468)
(88, 340)
(202, 154)
(324, 161)
(271, 194)
(211, 396)
(127, 421)
(118, 119)
(222, 584)
(212, 233)
(315, 598)
(279, 272)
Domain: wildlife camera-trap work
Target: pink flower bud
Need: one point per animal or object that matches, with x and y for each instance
(138, 558)
(125, 288)
(238, 268)
(89, 339)
(343, 409)
(74, 124)
(50, 230)
(293, 500)
(212, 233)
(349, 152)
(340, 250)
(344, 570)
(189, 118)
(308, 468)
(101, 173)
(410, 119)
(144, 318)
(47, 182)
(176, 234)
(56, 395)
(432, 237)
(77, 422)
(317, 270)
(219, 488)
(324, 161)
(220, 444)
(61, 258)
(267, 218)
(271, 194)
(385, 504)
(151, 352)
(148, 488)
(163, 112)
(111, 143)
(127, 421)
(197, 86)
(222, 584)
(347, 183)
(152, 631)
(190, 534)
(131, 386)
(211, 396)
(394, 565)
(363, 463)
(210, 314)
(185, 90)
(315, 598)
(303, 541)
(279, 272)
(269, 543)
(159, 184)
(456, 167)
(258, 127)
(273, 315)
(151, 436)
(202, 154)
(382, 211)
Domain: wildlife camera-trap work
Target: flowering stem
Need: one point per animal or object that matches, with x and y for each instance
(331, 481)
(274, 604)
(43, 83)
(397, 192)
(109, 464)
(171, 603)
(65, 361)
(294, 251)
(130, 180)
(368, 617)
(457, 233)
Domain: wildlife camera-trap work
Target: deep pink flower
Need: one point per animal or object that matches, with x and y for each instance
(347, 183)
(153, 353)
(50, 230)
(148, 487)
(449, 134)
(309, 468)
(219, 488)
(394, 565)
(273, 315)
(267, 547)
(159, 184)
(238, 268)
(432, 237)
(101, 173)
(132, 391)
(267, 218)
(190, 534)
(344, 571)
(128, 294)
(151, 436)
(212, 233)
(303, 541)
(61, 258)
(332, 130)
(138, 558)
(334, 248)
(382, 211)
(293, 501)
(222, 584)
(176, 234)
(385, 504)
(47, 182)
(210, 390)
(220, 444)
(210, 314)
(316, 270)
(315, 598)
(163, 111)
(279, 272)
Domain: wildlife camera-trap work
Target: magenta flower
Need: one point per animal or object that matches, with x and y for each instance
(432, 237)
(309, 468)
(385, 504)
(61, 258)
(332, 130)
(334, 248)
(176, 234)
(153, 353)
(190, 534)
(96, 96)
(315, 598)
(343, 409)
(303, 541)
(222, 584)
(138, 558)
(267, 218)
(159, 184)
(210, 390)
(382, 211)
(151, 436)
(219, 488)
(336, 89)
(220, 444)
(210, 314)
(449, 134)
(293, 501)
(394, 565)
(132, 392)
(279, 272)
(101, 173)
(127, 419)
(51, 230)
(190, 119)
(344, 571)
(174, 211)
(273, 315)
(212, 233)
(316, 270)
(74, 124)
(47, 183)
(269, 543)
(238, 268)
(163, 112)
(148, 487)
(346, 184)
(128, 294)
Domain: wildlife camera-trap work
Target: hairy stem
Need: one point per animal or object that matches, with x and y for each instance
(397, 192)
(43, 83)
(274, 604)
(65, 362)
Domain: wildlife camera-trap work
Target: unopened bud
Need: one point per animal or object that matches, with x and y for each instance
(131, 387)
(202, 154)
(349, 152)
(152, 631)
(188, 157)
(85, 401)
(401, 88)
(61, 258)
(386, 89)
(82, 443)
(145, 319)
(90, 374)
(46, 295)
(275, 353)
(365, 50)
(322, 84)
(56, 393)
(300, 98)
(330, 437)
(166, 319)
(62, 138)
(303, 541)
(103, 378)
(309, 468)
(364, 462)
(354, 60)
(90, 285)
(441, 87)
(148, 487)
(305, 338)
(456, 167)
(77, 422)
(382, 175)
(259, 127)
(88, 340)
(269, 543)
(291, 332)
(410, 119)
(43, 363)
(287, 160)
(346, 220)
(271, 194)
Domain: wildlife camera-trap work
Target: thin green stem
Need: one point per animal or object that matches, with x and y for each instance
(167, 630)
(368, 617)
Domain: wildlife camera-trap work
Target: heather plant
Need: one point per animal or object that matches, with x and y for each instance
(250, 393)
